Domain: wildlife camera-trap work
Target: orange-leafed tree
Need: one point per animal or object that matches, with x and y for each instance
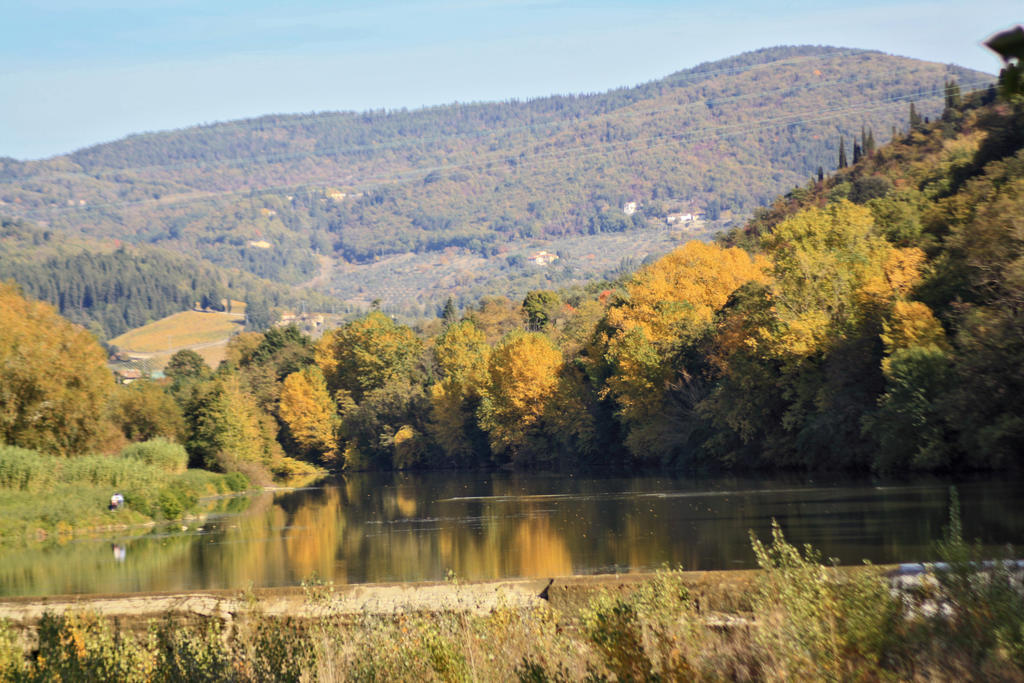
(667, 307)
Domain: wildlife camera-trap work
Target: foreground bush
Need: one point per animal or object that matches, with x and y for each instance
(816, 622)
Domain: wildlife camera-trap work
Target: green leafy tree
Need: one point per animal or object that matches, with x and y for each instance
(539, 306)
(143, 411)
(186, 365)
(366, 353)
(385, 429)
(223, 426)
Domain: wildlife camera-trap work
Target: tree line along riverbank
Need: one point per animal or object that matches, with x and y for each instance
(866, 321)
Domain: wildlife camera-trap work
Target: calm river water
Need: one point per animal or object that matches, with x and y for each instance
(399, 527)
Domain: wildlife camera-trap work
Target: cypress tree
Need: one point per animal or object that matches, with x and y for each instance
(821, 174)
(953, 98)
(856, 151)
(842, 153)
(869, 143)
(915, 118)
(448, 313)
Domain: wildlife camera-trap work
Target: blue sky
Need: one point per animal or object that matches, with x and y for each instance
(79, 72)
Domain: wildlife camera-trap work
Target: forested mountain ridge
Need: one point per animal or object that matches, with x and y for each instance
(272, 195)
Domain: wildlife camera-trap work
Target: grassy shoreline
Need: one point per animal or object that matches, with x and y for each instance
(46, 498)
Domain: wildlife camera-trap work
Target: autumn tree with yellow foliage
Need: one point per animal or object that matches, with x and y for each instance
(306, 408)
(667, 306)
(54, 383)
(462, 356)
(523, 375)
(800, 357)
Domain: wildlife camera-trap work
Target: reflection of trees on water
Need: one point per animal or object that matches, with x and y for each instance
(282, 541)
(403, 528)
(154, 559)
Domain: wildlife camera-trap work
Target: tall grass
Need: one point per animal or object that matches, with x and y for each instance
(159, 452)
(25, 470)
(41, 495)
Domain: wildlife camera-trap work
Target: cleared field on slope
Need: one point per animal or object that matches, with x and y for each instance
(206, 333)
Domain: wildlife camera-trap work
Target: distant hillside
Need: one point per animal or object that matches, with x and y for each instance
(288, 197)
(111, 287)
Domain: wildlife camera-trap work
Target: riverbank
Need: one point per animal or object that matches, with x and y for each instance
(443, 626)
(721, 590)
(46, 499)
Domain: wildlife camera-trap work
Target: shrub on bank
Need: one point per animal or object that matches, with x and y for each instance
(817, 622)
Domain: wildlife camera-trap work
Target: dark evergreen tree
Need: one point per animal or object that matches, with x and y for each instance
(539, 305)
(953, 97)
(448, 313)
(258, 315)
(869, 143)
(842, 153)
(915, 118)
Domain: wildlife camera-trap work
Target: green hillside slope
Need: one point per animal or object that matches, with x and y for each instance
(298, 199)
